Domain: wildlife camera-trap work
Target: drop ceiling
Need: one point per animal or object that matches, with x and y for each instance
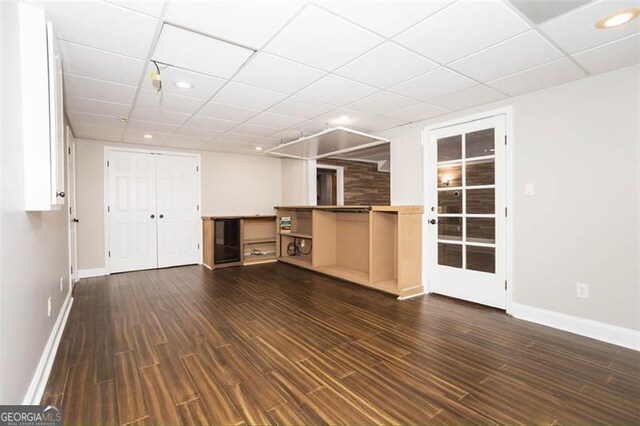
(266, 72)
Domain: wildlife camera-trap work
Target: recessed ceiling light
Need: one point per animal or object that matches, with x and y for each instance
(147, 136)
(183, 85)
(258, 148)
(618, 18)
(343, 119)
(123, 119)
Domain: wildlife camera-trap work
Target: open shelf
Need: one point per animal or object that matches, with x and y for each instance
(345, 273)
(305, 262)
(259, 240)
(297, 235)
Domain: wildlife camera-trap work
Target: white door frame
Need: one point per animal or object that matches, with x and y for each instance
(339, 181)
(70, 146)
(107, 150)
(507, 112)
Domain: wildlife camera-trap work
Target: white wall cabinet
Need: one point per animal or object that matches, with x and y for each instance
(42, 112)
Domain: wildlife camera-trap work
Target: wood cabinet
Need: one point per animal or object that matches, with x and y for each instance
(379, 246)
(42, 114)
(255, 240)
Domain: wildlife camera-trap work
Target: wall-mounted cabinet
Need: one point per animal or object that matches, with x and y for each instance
(42, 111)
(379, 246)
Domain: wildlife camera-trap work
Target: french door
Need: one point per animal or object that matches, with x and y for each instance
(466, 202)
(153, 212)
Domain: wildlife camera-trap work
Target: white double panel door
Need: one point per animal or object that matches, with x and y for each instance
(152, 210)
(466, 209)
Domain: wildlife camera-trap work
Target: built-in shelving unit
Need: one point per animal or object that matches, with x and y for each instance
(379, 247)
(255, 240)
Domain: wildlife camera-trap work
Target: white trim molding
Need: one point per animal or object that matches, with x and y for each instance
(41, 375)
(88, 273)
(613, 334)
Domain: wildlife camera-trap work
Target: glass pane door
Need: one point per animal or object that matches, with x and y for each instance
(466, 209)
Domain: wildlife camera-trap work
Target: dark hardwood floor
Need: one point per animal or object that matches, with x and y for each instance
(276, 344)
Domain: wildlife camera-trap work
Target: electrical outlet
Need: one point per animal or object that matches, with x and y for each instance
(302, 243)
(49, 307)
(529, 190)
(582, 290)
(61, 283)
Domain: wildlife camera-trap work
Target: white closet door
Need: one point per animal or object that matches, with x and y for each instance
(178, 213)
(132, 211)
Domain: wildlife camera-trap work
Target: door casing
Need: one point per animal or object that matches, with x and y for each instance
(108, 149)
(507, 112)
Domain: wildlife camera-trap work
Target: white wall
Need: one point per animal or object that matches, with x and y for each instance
(231, 185)
(34, 245)
(298, 182)
(578, 143)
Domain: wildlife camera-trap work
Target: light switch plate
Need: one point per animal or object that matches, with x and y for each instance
(529, 190)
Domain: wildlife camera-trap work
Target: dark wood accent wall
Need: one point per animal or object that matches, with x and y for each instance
(363, 183)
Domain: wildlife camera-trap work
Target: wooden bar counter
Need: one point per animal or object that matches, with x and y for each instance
(375, 246)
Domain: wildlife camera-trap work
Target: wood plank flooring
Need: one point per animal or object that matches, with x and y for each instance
(277, 344)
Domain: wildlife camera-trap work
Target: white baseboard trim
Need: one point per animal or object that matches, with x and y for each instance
(41, 376)
(88, 273)
(614, 334)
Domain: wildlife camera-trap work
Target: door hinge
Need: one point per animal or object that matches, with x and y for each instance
(198, 207)
(108, 209)
(506, 212)
(197, 169)
(505, 284)
(69, 150)
(505, 140)
(109, 253)
(198, 246)
(71, 269)
(107, 163)
(70, 210)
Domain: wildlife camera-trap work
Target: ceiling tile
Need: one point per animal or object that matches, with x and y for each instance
(75, 85)
(377, 123)
(617, 54)
(433, 84)
(101, 65)
(152, 8)
(386, 17)
(380, 67)
(198, 132)
(136, 136)
(189, 142)
(466, 98)
(150, 113)
(82, 131)
(253, 130)
(336, 90)
(93, 24)
(544, 76)
(211, 123)
(145, 126)
(312, 126)
(248, 96)
(271, 72)
(227, 112)
(222, 147)
(577, 30)
(204, 86)
(462, 29)
(539, 11)
(382, 103)
(417, 112)
(303, 108)
(185, 49)
(342, 117)
(248, 23)
(92, 106)
(78, 118)
(271, 119)
(167, 102)
(517, 54)
(235, 138)
(321, 39)
(287, 135)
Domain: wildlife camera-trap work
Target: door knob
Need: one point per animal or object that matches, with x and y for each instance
(153, 216)
(75, 219)
(433, 221)
(60, 194)
(161, 216)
